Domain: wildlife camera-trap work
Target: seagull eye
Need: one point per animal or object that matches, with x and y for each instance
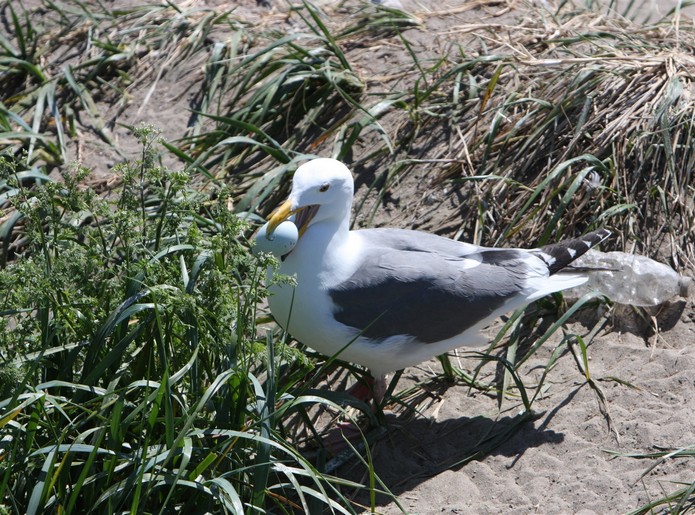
(324, 187)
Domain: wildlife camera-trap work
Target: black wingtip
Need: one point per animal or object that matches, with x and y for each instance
(558, 255)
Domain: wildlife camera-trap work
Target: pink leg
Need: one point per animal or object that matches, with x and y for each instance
(367, 388)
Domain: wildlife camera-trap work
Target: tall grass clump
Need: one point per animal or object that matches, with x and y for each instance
(132, 378)
(62, 62)
(268, 101)
(285, 96)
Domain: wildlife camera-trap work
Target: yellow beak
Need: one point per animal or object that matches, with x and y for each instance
(283, 212)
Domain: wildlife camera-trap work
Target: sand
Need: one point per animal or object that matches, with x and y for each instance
(562, 461)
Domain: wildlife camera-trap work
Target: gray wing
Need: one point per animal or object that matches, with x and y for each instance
(425, 286)
(416, 241)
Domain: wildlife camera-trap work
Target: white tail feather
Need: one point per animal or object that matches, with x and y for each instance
(542, 286)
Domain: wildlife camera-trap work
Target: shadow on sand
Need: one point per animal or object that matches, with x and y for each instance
(410, 452)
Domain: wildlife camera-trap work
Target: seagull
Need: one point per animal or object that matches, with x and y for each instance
(388, 298)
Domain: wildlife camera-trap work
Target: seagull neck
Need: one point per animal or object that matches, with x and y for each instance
(331, 229)
(325, 236)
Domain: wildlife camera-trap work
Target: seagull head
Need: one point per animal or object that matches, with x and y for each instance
(322, 190)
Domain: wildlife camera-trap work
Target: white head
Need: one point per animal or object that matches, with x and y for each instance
(322, 189)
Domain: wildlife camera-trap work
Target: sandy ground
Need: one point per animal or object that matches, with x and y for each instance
(561, 462)
(557, 463)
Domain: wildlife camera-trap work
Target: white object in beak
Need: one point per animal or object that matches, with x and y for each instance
(280, 242)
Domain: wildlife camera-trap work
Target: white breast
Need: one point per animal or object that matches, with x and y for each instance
(321, 259)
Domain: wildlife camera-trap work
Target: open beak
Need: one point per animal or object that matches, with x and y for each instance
(303, 215)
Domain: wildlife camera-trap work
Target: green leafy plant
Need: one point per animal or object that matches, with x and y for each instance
(132, 375)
